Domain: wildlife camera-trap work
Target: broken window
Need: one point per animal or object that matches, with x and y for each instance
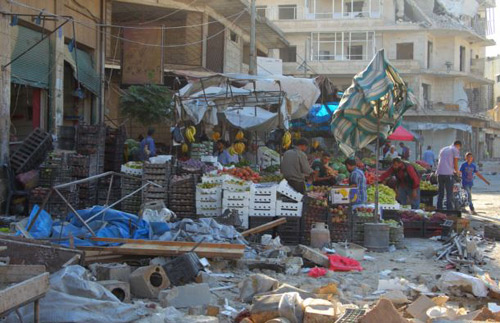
(287, 12)
(462, 59)
(404, 51)
(342, 46)
(234, 37)
(261, 11)
(289, 54)
(498, 78)
(430, 48)
(426, 91)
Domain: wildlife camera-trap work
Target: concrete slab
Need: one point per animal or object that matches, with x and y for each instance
(185, 296)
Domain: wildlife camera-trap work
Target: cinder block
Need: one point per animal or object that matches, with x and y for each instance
(314, 256)
(147, 282)
(120, 289)
(185, 296)
(319, 311)
(119, 272)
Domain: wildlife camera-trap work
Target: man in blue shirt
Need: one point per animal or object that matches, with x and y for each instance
(468, 170)
(429, 156)
(358, 179)
(147, 148)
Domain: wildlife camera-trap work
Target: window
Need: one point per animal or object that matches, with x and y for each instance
(426, 89)
(287, 12)
(342, 46)
(498, 78)
(261, 11)
(462, 59)
(430, 48)
(289, 54)
(404, 51)
(233, 37)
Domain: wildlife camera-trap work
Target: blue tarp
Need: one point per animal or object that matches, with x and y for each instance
(322, 113)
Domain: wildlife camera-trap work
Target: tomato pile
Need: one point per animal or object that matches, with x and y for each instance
(244, 173)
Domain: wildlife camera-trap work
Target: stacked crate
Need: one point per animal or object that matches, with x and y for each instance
(113, 153)
(290, 233)
(340, 226)
(55, 171)
(90, 145)
(313, 213)
(358, 228)
(182, 195)
(159, 174)
(209, 199)
(289, 201)
(130, 184)
(236, 197)
(199, 150)
(263, 199)
(32, 151)
(114, 194)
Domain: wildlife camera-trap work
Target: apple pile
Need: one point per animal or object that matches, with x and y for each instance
(339, 213)
(365, 212)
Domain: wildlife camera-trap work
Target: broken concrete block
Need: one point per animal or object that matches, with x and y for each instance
(314, 256)
(265, 308)
(419, 308)
(147, 282)
(212, 310)
(319, 311)
(396, 297)
(119, 272)
(185, 296)
(200, 319)
(385, 312)
(256, 284)
(293, 265)
(120, 289)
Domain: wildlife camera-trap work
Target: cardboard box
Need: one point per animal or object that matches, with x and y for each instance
(343, 195)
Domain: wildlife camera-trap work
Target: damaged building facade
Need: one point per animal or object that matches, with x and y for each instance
(437, 45)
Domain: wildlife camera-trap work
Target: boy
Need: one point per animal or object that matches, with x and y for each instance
(468, 169)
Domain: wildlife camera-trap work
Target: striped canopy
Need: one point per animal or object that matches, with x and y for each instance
(377, 93)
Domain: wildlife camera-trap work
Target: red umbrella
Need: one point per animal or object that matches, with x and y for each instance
(401, 134)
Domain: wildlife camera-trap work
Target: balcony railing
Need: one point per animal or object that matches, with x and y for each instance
(284, 12)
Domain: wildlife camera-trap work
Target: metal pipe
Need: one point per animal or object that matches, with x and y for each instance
(74, 211)
(109, 189)
(123, 198)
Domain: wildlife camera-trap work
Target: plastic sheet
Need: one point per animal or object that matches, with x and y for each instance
(339, 263)
(72, 297)
(42, 227)
(317, 272)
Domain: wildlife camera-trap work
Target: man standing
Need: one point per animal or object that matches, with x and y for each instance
(408, 182)
(469, 169)
(147, 147)
(295, 167)
(429, 156)
(386, 148)
(358, 179)
(405, 151)
(324, 175)
(447, 167)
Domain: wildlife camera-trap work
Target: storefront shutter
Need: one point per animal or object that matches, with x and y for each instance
(33, 68)
(87, 75)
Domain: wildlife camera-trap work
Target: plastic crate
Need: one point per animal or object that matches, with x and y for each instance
(285, 189)
(261, 213)
(432, 229)
(227, 186)
(236, 196)
(268, 189)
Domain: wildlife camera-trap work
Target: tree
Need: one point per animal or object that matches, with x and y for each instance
(148, 104)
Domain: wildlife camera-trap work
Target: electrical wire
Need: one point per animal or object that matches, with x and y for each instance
(167, 15)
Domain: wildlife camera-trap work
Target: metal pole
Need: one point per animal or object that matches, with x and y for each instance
(252, 68)
(109, 189)
(377, 156)
(74, 211)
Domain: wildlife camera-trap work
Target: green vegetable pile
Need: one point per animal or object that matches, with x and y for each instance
(386, 195)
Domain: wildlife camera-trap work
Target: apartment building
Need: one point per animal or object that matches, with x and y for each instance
(437, 45)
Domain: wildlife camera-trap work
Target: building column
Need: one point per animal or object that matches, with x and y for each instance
(57, 77)
(5, 56)
(204, 35)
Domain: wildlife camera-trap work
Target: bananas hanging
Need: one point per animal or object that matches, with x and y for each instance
(240, 135)
(184, 148)
(190, 133)
(231, 151)
(287, 140)
(239, 148)
(216, 136)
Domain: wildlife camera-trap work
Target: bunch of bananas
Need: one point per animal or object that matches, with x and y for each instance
(190, 133)
(216, 136)
(287, 140)
(184, 148)
(231, 151)
(240, 135)
(239, 148)
(315, 144)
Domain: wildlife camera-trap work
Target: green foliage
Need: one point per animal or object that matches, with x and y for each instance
(148, 104)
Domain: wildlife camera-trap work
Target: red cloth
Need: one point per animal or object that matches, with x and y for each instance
(339, 263)
(317, 272)
(406, 176)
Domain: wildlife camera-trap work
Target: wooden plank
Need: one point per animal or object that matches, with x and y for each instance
(23, 251)
(264, 227)
(23, 293)
(169, 243)
(171, 251)
(17, 273)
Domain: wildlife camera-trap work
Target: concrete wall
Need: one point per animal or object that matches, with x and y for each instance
(233, 54)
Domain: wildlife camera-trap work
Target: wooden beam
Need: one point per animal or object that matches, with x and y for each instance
(17, 273)
(264, 227)
(169, 243)
(23, 293)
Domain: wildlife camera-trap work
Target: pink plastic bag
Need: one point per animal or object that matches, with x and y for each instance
(317, 272)
(339, 263)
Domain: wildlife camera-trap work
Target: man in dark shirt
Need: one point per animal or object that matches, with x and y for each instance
(324, 175)
(408, 182)
(295, 167)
